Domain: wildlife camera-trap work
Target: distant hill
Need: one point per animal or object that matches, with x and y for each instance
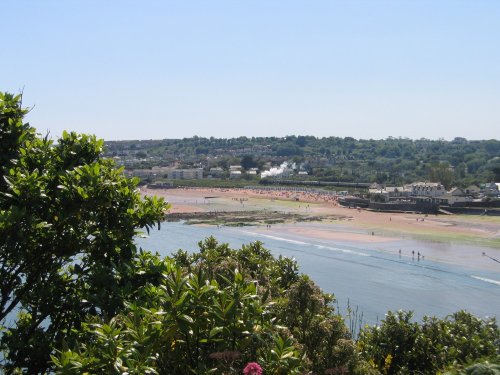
(459, 162)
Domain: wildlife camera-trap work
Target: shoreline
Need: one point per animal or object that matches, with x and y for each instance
(454, 236)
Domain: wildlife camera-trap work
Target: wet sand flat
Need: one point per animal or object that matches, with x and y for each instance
(356, 226)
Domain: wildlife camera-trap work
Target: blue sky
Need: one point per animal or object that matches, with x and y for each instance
(174, 69)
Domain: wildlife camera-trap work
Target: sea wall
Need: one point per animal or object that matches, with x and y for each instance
(424, 207)
(472, 211)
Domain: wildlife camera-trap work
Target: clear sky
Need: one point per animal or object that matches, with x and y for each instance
(172, 69)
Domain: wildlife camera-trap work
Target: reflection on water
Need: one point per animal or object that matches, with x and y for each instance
(369, 277)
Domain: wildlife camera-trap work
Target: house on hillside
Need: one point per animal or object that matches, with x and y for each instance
(490, 189)
(141, 173)
(161, 171)
(426, 189)
(454, 196)
(234, 174)
(185, 174)
(388, 193)
(396, 191)
(472, 190)
(216, 172)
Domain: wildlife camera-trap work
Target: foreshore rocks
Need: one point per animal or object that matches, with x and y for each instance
(244, 218)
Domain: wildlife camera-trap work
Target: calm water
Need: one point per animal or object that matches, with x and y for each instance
(370, 278)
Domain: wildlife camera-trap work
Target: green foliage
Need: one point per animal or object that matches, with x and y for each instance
(400, 346)
(273, 276)
(300, 306)
(177, 323)
(68, 219)
(479, 368)
(214, 311)
(13, 132)
(280, 356)
(443, 173)
(309, 315)
(247, 162)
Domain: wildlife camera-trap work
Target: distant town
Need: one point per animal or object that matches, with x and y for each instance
(392, 174)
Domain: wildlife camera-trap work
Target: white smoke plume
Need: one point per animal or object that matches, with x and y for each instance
(276, 171)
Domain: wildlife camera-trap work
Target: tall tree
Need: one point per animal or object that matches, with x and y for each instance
(248, 162)
(441, 172)
(68, 219)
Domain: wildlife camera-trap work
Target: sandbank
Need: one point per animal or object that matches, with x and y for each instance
(356, 226)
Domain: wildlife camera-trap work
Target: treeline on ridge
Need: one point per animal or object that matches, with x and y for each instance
(460, 162)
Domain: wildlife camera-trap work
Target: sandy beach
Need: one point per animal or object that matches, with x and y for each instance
(353, 225)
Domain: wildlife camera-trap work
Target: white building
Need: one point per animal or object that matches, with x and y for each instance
(426, 189)
(389, 192)
(490, 189)
(234, 174)
(141, 173)
(185, 174)
(455, 195)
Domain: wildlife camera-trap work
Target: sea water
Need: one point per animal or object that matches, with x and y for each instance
(359, 274)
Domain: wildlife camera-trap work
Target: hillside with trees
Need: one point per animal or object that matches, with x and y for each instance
(79, 297)
(395, 161)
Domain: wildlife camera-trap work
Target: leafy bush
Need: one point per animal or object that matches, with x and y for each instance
(68, 219)
(213, 312)
(186, 322)
(400, 346)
